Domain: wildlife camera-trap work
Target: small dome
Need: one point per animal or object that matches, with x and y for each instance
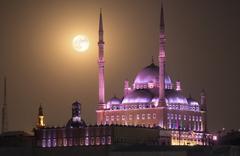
(191, 101)
(75, 124)
(114, 100)
(173, 96)
(138, 96)
(150, 74)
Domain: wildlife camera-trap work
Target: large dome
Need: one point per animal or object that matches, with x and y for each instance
(150, 74)
(138, 96)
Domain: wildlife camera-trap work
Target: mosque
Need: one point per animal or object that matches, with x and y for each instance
(153, 107)
(153, 100)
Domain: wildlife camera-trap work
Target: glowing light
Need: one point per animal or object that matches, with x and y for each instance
(215, 138)
(80, 43)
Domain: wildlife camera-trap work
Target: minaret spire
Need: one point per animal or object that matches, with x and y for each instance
(4, 108)
(162, 60)
(100, 22)
(101, 100)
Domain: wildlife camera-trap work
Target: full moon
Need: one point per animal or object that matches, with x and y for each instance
(80, 43)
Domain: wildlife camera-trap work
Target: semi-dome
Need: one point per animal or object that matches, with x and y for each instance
(173, 96)
(138, 96)
(150, 74)
(192, 101)
(114, 100)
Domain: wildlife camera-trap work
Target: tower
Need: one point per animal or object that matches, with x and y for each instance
(101, 81)
(40, 122)
(76, 120)
(162, 60)
(203, 107)
(76, 111)
(126, 87)
(203, 100)
(4, 108)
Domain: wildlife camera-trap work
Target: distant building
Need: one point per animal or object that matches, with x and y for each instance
(77, 133)
(154, 100)
(16, 139)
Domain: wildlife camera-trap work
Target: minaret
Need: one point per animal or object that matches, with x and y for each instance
(203, 108)
(162, 60)
(4, 108)
(101, 83)
(40, 122)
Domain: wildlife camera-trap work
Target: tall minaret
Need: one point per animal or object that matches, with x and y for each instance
(4, 108)
(101, 83)
(162, 60)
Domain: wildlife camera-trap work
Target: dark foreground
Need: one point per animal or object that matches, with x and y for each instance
(123, 150)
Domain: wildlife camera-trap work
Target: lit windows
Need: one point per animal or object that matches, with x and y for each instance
(97, 141)
(43, 143)
(150, 85)
(154, 115)
(184, 117)
(92, 140)
(138, 117)
(123, 117)
(168, 116)
(117, 117)
(107, 118)
(86, 141)
(190, 126)
(109, 140)
(103, 141)
(149, 116)
(143, 116)
(179, 117)
(130, 117)
(112, 118)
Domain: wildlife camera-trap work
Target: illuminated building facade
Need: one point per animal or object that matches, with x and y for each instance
(77, 133)
(154, 100)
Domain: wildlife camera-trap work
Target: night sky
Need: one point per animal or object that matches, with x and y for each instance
(41, 66)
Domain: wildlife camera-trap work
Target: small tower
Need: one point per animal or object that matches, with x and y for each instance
(76, 120)
(178, 85)
(4, 108)
(101, 81)
(40, 122)
(203, 100)
(162, 60)
(76, 111)
(126, 87)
